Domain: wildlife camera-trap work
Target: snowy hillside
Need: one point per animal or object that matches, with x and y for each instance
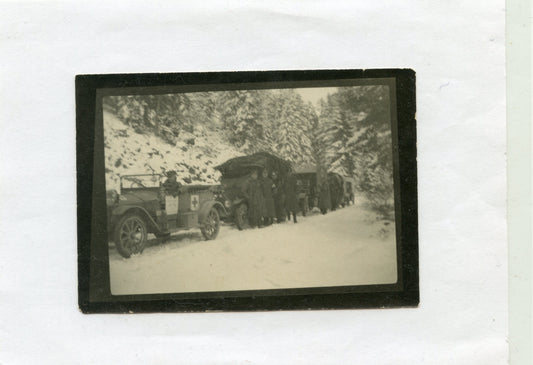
(192, 157)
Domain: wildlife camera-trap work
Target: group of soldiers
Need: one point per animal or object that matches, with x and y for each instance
(273, 199)
(270, 199)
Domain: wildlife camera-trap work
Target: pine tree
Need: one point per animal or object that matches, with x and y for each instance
(238, 115)
(371, 145)
(337, 131)
(292, 125)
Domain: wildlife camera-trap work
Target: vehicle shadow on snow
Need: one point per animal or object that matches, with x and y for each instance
(155, 245)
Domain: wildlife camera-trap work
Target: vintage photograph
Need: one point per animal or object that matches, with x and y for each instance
(249, 189)
(264, 188)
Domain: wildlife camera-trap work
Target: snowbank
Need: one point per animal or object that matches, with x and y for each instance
(346, 247)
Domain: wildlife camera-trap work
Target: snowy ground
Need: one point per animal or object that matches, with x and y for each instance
(346, 247)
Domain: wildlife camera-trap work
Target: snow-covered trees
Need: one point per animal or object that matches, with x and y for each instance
(291, 126)
(337, 128)
(348, 133)
(240, 115)
(357, 132)
(276, 121)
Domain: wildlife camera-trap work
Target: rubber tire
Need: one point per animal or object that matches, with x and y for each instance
(213, 213)
(126, 252)
(241, 216)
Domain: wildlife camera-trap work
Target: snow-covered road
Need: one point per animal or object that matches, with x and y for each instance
(346, 247)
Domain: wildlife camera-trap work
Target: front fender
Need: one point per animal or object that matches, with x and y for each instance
(120, 211)
(206, 207)
(236, 202)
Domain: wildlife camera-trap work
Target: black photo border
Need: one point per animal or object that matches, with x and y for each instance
(94, 295)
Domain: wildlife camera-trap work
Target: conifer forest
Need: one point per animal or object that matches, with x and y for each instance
(348, 131)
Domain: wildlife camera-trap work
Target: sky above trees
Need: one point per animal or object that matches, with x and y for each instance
(314, 94)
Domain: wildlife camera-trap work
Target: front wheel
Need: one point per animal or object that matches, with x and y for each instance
(130, 235)
(241, 216)
(211, 225)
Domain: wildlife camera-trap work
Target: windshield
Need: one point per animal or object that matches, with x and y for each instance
(139, 181)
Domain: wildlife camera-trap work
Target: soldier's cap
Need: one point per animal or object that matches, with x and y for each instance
(171, 173)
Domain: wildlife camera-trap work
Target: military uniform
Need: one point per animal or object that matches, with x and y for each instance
(335, 192)
(269, 207)
(325, 200)
(279, 199)
(171, 185)
(291, 200)
(253, 192)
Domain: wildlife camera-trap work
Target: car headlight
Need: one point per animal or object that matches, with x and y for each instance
(112, 197)
(227, 203)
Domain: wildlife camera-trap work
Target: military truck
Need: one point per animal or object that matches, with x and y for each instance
(236, 172)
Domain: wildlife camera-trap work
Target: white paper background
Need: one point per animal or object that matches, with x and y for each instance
(457, 50)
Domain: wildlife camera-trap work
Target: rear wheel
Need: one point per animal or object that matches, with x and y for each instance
(130, 235)
(241, 216)
(211, 225)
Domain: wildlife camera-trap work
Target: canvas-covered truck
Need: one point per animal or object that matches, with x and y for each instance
(145, 206)
(236, 172)
(337, 192)
(311, 195)
(306, 187)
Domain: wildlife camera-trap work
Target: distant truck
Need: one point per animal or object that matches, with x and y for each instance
(339, 191)
(144, 206)
(307, 188)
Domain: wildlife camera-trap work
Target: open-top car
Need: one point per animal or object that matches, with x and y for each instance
(145, 205)
(235, 173)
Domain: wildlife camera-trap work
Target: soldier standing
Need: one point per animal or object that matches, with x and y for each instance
(278, 195)
(172, 186)
(252, 191)
(324, 200)
(291, 201)
(335, 192)
(270, 210)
